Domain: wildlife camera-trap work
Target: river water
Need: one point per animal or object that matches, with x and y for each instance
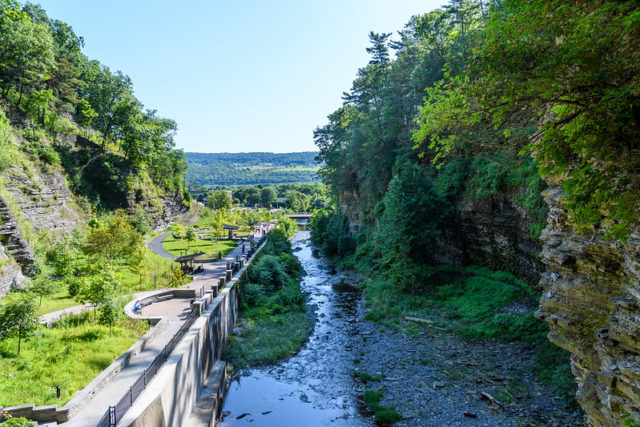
(315, 387)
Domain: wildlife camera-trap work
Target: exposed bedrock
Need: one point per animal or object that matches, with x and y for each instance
(591, 299)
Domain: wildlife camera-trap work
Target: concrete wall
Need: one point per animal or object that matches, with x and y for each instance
(171, 396)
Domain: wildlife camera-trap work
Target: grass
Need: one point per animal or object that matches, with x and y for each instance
(70, 354)
(211, 248)
(130, 283)
(383, 414)
(267, 340)
(365, 377)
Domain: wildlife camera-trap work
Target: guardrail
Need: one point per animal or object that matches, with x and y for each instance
(114, 413)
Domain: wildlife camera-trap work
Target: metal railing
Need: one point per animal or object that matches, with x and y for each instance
(115, 413)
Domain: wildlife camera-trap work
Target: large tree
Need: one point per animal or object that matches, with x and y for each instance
(26, 52)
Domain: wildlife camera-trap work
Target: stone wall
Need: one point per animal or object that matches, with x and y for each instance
(591, 300)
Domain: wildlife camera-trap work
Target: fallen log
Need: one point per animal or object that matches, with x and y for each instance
(490, 399)
(418, 320)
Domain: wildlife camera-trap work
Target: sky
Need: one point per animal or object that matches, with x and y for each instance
(237, 76)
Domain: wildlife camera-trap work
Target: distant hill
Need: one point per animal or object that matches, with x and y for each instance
(231, 169)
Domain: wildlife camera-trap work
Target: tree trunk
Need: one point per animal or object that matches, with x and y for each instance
(19, 338)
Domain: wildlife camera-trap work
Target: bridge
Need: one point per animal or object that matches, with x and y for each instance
(301, 218)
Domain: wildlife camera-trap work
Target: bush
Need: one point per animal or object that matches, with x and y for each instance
(74, 287)
(269, 272)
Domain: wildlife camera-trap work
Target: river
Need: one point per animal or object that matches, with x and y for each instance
(315, 387)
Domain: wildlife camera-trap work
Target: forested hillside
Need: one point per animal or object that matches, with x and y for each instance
(71, 111)
(75, 144)
(447, 142)
(230, 169)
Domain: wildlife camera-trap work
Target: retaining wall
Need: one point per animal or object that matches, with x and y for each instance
(170, 398)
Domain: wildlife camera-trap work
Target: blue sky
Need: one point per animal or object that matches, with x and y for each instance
(237, 76)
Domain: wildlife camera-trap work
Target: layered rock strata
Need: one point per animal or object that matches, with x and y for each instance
(591, 300)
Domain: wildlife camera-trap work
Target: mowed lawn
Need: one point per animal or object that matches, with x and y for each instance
(70, 354)
(210, 247)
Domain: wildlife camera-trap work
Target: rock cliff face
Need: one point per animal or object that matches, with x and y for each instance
(44, 200)
(492, 232)
(591, 300)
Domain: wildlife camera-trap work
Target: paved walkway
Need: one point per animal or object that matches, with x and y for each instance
(120, 384)
(175, 310)
(54, 316)
(156, 246)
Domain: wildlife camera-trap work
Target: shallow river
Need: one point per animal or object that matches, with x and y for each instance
(314, 387)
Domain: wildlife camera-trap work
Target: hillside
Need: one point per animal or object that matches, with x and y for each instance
(228, 169)
(75, 145)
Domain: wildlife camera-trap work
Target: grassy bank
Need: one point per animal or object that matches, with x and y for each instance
(70, 354)
(273, 315)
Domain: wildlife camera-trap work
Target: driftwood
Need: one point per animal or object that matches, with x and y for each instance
(490, 399)
(470, 414)
(423, 321)
(418, 320)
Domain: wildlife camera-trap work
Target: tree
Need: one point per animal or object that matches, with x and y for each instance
(85, 113)
(190, 236)
(110, 312)
(177, 229)
(113, 240)
(26, 51)
(138, 261)
(409, 226)
(99, 289)
(220, 200)
(18, 318)
(268, 195)
(297, 201)
(62, 259)
(42, 287)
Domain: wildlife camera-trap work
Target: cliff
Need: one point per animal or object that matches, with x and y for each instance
(493, 232)
(591, 300)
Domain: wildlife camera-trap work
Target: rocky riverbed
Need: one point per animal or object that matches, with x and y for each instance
(430, 376)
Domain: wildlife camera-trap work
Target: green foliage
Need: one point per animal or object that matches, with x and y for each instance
(41, 287)
(581, 128)
(18, 422)
(71, 354)
(274, 319)
(383, 414)
(408, 229)
(18, 318)
(113, 240)
(110, 312)
(365, 377)
(220, 200)
(330, 231)
(229, 169)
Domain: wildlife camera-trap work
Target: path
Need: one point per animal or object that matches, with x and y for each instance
(49, 318)
(176, 310)
(156, 246)
(120, 384)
